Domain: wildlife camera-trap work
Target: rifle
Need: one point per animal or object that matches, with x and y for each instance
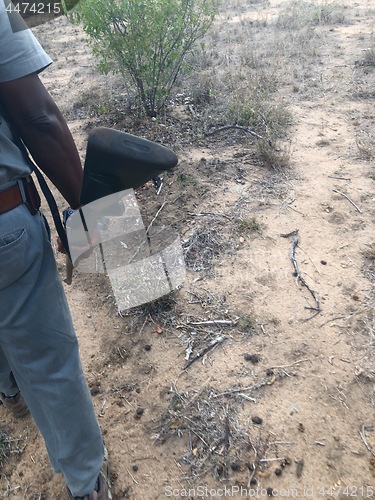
(116, 161)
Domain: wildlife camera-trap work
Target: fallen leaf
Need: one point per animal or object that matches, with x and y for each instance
(175, 425)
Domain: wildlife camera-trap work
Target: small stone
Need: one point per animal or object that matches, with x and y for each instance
(147, 347)
(219, 470)
(257, 420)
(278, 472)
(139, 412)
(234, 466)
(253, 358)
(95, 390)
(270, 492)
(323, 262)
(135, 468)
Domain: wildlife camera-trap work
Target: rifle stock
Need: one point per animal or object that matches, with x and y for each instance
(116, 161)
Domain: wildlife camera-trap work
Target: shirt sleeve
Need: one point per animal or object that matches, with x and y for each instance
(20, 52)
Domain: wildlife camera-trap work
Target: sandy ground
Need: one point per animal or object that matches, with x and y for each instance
(310, 379)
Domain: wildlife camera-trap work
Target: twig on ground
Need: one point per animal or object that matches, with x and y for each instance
(339, 178)
(289, 443)
(194, 432)
(145, 458)
(254, 464)
(347, 197)
(221, 322)
(299, 278)
(156, 215)
(363, 437)
(264, 330)
(295, 363)
(144, 324)
(101, 413)
(241, 390)
(342, 317)
(272, 459)
(210, 214)
(204, 350)
(248, 398)
(133, 478)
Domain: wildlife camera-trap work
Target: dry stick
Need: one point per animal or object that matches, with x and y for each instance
(133, 478)
(347, 197)
(296, 269)
(212, 214)
(292, 364)
(248, 398)
(194, 432)
(241, 390)
(222, 322)
(340, 178)
(276, 459)
(254, 464)
(156, 215)
(362, 434)
(205, 349)
(226, 443)
(237, 127)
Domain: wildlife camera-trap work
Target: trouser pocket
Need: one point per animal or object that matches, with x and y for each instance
(14, 245)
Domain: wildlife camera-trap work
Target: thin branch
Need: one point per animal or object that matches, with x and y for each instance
(347, 197)
(292, 364)
(202, 214)
(300, 278)
(222, 322)
(362, 434)
(204, 350)
(156, 215)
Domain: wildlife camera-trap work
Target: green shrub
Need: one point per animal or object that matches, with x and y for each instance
(146, 41)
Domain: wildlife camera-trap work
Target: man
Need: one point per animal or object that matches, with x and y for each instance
(39, 360)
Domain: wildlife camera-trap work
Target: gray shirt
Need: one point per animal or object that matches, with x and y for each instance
(20, 55)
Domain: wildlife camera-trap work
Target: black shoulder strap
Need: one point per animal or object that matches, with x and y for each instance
(53, 208)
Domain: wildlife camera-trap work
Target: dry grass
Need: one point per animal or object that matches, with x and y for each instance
(9, 450)
(219, 443)
(4, 448)
(205, 246)
(302, 13)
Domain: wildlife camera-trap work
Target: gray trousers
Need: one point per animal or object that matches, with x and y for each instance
(39, 350)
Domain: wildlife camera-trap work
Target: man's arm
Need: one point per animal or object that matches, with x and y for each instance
(45, 133)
